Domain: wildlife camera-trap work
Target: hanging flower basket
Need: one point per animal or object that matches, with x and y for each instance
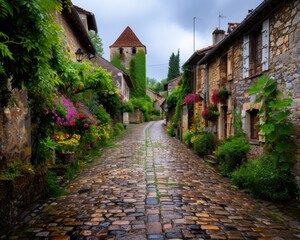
(211, 113)
(192, 98)
(220, 96)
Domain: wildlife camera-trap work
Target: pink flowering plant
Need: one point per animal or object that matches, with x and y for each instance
(192, 98)
(220, 96)
(63, 112)
(211, 112)
(84, 117)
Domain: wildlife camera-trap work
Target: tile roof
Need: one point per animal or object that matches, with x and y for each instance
(127, 39)
(113, 70)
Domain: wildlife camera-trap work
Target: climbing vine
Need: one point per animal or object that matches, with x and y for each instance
(275, 124)
(269, 176)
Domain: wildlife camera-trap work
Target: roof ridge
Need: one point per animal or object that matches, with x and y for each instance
(127, 39)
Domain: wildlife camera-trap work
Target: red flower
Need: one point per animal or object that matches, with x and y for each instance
(55, 137)
(73, 123)
(80, 115)
(215, 98)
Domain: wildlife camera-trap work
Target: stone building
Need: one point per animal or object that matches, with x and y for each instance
(169, 86)
(126, 47)
(157, 98)
(267, 41)
(121, 80)
(76, 24)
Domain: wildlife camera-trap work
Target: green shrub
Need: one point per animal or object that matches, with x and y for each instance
(231, 154)
(127, 107)
(187, 137)
(205, 143)
(102, 116)
(263, 179)
(171, 130)
(118, 128)
(16, 169)
(53, 188)
(154, 117)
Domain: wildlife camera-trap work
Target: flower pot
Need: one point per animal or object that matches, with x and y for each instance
(87, 146)
(66, 157)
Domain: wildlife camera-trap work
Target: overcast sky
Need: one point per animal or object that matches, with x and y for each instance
(165, 26)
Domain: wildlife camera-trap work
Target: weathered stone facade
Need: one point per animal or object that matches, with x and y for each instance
(126, 47)
(279, 61)
(136, 116)
(285, 60)
(15, 141)
(72, 41)
(125, 54)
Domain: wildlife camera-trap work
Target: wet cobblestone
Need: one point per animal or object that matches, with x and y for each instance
(152, 187)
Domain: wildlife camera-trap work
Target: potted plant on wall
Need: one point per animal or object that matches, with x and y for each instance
(66, 145)
(220, 96)
(223, 95)
(192, 98)
(211, 112)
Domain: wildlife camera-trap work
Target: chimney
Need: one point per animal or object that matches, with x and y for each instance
(218, 35)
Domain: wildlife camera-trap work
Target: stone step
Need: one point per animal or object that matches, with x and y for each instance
(210, 159)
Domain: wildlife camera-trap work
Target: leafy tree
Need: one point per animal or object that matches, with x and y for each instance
(97, 41)
(153, 84)
(174, 68)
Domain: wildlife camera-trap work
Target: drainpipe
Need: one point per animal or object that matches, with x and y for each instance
(206, 84)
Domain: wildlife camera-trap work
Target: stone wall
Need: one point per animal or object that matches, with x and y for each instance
(127, 54)
(72, 41)
(17, 196)
(137, 116)
(15, 141)
(284, 65)
(214, 76)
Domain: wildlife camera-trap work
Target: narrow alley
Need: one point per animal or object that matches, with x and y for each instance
(150, 186)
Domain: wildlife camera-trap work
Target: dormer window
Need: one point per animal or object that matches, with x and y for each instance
(133, 51)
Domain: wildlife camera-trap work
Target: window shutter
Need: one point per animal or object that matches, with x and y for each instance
(230, 64)
(265, 45)
(246, 55)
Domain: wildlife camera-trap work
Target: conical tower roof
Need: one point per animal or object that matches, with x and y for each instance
(128, 39)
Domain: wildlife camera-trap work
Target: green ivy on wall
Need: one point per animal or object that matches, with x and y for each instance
(138, 74)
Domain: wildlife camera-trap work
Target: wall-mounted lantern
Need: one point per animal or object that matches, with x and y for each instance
(79, 54)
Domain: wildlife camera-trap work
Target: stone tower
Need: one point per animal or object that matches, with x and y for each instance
(126, 47)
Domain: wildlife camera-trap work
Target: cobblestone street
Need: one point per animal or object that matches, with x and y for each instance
(150, 186)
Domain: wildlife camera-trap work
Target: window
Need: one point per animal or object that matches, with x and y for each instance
(226, 65)
(121, 51)
(223, 69)
(256, 51)
(133, 50)
(254, 128)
